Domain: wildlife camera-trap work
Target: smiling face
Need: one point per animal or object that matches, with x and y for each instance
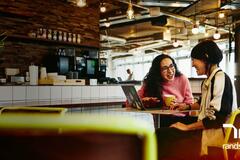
(167, 69)
(200, 66)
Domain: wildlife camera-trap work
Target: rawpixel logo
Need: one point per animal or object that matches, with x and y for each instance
(236, 135)
(236, 132)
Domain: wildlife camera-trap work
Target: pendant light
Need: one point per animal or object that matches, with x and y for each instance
(102, 8)
(195, 29)
(216, 35)
(107, 23)
(81, 3)
(221, 15)
(130, 11)
(175, 43)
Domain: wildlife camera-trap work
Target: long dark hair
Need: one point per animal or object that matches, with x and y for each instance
(153, 80)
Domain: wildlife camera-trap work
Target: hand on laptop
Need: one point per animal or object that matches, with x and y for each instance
(150, 101)
(180, 106)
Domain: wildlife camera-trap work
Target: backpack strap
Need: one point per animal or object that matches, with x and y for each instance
(212, 83)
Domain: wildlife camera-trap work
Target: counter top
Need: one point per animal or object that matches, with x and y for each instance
(118, 84)
(67, 103)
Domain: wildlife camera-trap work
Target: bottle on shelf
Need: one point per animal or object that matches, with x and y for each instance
(74, 38)
(54, 35)
(69, 37)
(44, 35)
(27, 78)
(60, 38)
(78, 38)
(65, 36)
(49, 34)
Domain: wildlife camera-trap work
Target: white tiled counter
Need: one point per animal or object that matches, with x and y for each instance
(26, 94)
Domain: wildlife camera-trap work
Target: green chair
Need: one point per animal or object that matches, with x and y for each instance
(229, 135)
(224, 152)
(72, 137)
(32, 110)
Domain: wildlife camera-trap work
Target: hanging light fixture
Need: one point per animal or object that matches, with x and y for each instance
(130, 11)
(195, 29)
(102, 8)
(107, 23)
(221, 15)
(206, 34)
(81, 3)
(168, 30)
(175, 43)
(217, 35)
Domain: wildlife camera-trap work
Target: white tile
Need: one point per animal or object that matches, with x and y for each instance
(6, 93)
(56, 93)
(103, 92)
(32, 93)
(76, 92)
(121, 93)
(19, 93)
(86, 92)
(112, 91)
(66, 92)
(95, 92)
(44, 92)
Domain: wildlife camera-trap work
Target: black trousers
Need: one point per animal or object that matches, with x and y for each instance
(174, 144)
(167, 120)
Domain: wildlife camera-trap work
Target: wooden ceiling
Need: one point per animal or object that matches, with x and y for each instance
(151, 22)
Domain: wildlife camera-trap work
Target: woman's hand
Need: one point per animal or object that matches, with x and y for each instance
(150, 101)
(180, 106)
(180, 126)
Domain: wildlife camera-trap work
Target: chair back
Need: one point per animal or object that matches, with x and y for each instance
(73, 137)
(232, 135)
(32, 110)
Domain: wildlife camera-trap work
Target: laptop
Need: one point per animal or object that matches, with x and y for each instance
(136, 102)
(133, 98)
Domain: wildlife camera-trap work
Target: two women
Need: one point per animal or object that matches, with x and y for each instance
(217, 102)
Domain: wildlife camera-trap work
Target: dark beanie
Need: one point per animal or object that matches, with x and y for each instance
(208, 51)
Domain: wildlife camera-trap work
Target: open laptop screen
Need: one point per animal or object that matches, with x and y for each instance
(132, 97)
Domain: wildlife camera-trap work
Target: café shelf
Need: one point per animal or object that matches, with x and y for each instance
(36, 40)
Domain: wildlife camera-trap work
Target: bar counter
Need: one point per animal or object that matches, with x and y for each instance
(75, 103)
(61, 95)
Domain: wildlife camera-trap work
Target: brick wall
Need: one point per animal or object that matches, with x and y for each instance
(19, 18)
